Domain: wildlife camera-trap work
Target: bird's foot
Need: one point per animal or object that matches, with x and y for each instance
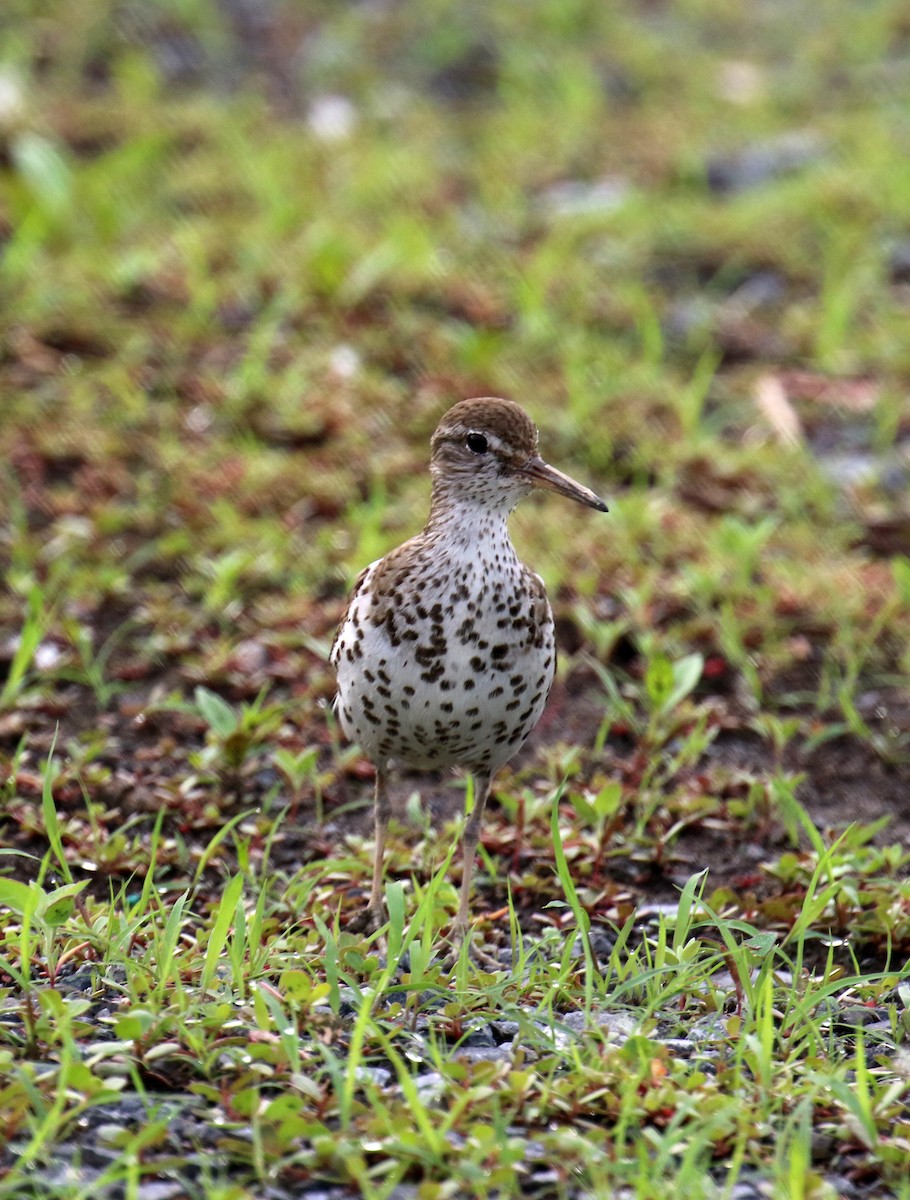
(368, 920)
(477, 954)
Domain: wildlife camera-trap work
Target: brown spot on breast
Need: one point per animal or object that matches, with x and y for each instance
(426, 654)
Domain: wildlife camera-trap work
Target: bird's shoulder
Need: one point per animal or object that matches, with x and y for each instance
(537, 592)
(382, 580)
(356, 590)
(541, 614)
(400, 567)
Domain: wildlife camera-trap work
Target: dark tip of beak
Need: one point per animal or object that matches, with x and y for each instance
(542, 475)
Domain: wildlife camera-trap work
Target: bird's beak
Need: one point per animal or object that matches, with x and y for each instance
(540, 474)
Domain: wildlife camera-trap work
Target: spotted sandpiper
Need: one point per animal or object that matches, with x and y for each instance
(446, 652)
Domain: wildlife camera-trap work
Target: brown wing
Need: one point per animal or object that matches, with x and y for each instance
(388, 576)
(392, 573)
(541, 613)
(358, 584)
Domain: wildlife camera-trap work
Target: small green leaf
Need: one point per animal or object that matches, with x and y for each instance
(296, 767)
(132, 1026)
(396, 910)
(221, 718)
(584, 808)
(659, 680)
(224, 916)
(44, 169)
(900, 571)
(686, 674)
(51, 1002)
(29, 640)
(49, 812)
(19, 897)
(668, 684)
(762, 943)
(56, 907)
(608, 800)
(59, 911)
(296, 986)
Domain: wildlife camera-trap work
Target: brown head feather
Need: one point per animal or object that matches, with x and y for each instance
(503, 419)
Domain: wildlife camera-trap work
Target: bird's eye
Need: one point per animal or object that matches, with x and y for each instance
(477, 443)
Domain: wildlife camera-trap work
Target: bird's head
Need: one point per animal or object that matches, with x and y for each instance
(485, 452)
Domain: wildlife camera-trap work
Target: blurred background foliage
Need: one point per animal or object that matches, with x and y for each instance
(252, 250)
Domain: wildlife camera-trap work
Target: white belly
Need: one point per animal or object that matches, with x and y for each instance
(463, 684)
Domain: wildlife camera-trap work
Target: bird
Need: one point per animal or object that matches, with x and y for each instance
(446, 652)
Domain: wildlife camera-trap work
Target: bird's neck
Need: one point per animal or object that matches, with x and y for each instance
(468, 524)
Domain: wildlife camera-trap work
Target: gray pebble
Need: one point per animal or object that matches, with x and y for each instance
(484, 1053)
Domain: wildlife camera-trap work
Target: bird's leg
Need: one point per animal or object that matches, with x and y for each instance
(374, 915)
(469, 840)
(382, 812)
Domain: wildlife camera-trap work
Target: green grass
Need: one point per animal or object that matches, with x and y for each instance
(225, 338)
(299, 1045)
